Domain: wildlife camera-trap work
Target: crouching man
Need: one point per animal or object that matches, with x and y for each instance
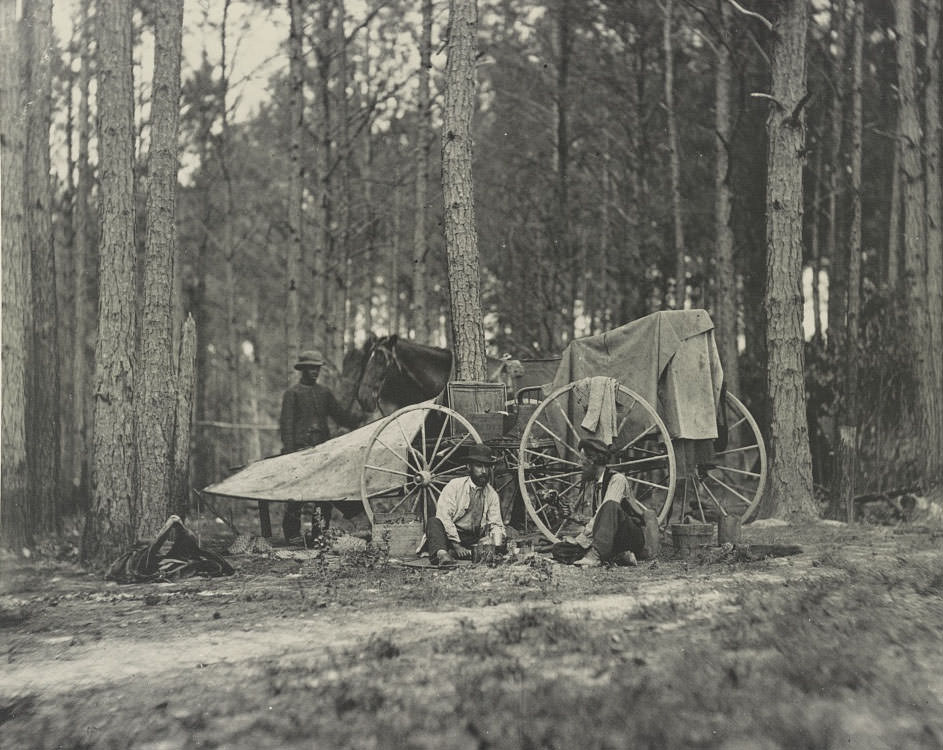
(467, 510)
(614, 534)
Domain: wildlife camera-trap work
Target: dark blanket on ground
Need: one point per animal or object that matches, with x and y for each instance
(145, 563)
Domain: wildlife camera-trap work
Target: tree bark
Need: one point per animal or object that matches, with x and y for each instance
(423, 144)
(725, 311)
(933, 136)
(323, 280)
(157, 397)
(674, 157)
(915, 249)
(42, 425)
(293, 284)
(345, 272)
(842, 505)
(395, 251)
(458, 191)
(113, 519)
(183, 417)
(894, 217)
(791, 465)
(14, 507)
(836, 270)
(82, 221)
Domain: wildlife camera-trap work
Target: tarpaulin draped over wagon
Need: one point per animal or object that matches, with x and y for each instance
(327, 472)
(669, 358)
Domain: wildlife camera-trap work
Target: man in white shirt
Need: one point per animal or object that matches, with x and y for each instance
(467, 510)
(614, 533)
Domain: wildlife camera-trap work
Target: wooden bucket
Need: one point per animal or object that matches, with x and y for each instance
(688, 538)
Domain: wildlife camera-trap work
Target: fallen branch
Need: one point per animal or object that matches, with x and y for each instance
(762, 19)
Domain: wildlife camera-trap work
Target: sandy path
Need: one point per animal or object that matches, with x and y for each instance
(105, 662)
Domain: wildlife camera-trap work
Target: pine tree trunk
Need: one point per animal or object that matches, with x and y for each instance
(393, 301)
(295, 264)
(423, 144)
(324, 257)
(157, 397)
(236, 449)
(894, 217)
(82, 221)
(183, 417)
(836, 269)
(814, 245)
(915, 249)
(725, 311)
(345, 277)
(15, 528)
(933, 136)
(458, 191)
(42, 425)
(791, 466)
(112, 520)
(842, 505)
(674, 164)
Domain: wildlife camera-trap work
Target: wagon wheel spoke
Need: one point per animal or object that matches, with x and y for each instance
(409, 445)
(731, 451)
(555, 476)
(635, 479)
(385, 490)
(735, 470)
(728, 488)
(387, 470)
(712, 497)
(736, 424)
(438, 440)
(452, 450)
(637, 461)
(401, 458)
(556, 437)
(566, 419)
(625, 417)
(642, 434)
(531, 451)
(404, 499)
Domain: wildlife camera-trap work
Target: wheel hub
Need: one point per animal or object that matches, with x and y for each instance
(425, 477)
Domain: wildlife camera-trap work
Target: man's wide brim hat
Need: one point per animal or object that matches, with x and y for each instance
(595, 445)
(479, 454)
(311, 358)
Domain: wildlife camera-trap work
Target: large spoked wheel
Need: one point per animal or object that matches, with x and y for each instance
(735, 477)
(549, 468)
(410, 457)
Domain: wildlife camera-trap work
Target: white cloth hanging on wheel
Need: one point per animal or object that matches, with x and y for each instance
(600, 417)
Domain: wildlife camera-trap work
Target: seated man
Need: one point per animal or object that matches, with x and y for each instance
(467, 510)
(614, 534)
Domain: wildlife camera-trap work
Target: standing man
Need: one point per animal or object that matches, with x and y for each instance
(467, 510)
(614, 533)
(303, 423)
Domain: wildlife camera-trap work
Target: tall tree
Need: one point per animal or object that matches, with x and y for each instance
(461, 238)
(82, 221)
(14, 507)
(725, 309)
(423, 144)
(843, 500)
(157, 396)
(836, 268)
(915, 247)
(674, 157)
(791, 466)
(112, 519)
(933, 135)
(42, 426)
(295, 264)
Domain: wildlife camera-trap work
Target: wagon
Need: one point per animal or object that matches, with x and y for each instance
(653, 389)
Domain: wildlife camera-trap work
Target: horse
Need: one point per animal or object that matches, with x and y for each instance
(397, 372)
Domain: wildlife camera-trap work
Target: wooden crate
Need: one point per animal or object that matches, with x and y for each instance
(482, 404)
(403, 538)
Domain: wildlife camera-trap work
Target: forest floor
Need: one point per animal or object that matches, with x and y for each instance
(836, 646)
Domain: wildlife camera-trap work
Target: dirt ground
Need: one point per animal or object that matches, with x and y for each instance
(836, 646)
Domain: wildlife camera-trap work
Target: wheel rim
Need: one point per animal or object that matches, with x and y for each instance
(735, 478)
(549, 469)
(410, 457)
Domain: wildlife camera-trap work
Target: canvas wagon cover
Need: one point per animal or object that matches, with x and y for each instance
(669, 358)
(327, 472)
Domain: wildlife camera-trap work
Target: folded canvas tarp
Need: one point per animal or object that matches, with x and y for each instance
(669, 358)
(327, 472)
